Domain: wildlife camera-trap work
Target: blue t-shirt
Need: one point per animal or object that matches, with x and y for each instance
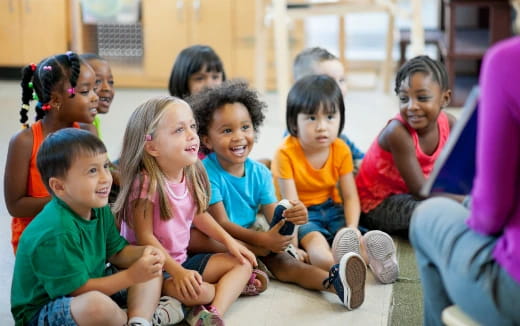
(241, 196)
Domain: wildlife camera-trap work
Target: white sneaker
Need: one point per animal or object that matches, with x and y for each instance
(168, 312)
(345, 241)
(382, 260)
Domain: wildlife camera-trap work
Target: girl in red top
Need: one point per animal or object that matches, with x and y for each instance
(401, 158)
(65, 89)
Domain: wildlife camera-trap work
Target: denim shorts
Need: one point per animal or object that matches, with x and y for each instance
(195, 262)
(56, 312)
(326, 218)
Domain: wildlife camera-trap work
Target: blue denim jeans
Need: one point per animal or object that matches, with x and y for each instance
(56, 312)
(326, 218)
(457, 267)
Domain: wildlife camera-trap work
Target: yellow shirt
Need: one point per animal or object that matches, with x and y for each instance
(314, 186)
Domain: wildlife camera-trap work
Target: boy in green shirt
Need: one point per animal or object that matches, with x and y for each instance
(59, 274)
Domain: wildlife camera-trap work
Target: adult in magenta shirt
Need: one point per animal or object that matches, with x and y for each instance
(471, 258)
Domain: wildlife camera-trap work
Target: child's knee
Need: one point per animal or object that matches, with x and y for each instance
(96, 307)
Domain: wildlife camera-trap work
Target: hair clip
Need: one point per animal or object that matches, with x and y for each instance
(48, 68)
(30, 85)
(35, 96)
(25, 107)
(147, 137)
(33, 66)
(46, 107)
(71, 91)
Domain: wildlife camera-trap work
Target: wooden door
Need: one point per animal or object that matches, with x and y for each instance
(165, 34)
(211, 24)
(10, 34)
(44, 27)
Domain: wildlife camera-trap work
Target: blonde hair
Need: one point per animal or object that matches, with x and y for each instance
(135, 161)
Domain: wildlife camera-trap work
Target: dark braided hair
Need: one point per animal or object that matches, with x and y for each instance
(39, 81)
(424, 64)
(205, 103)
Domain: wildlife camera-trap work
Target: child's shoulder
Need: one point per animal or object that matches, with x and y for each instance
(394, 134)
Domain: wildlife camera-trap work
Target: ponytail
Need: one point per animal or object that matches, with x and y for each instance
(39, 81)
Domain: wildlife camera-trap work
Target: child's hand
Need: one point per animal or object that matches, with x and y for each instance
(274, 241)
(297, 214)
(240, 252)
(148, 266)
(187, 283)
(302, 255)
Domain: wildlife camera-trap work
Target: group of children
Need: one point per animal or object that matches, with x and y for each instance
(185, 240)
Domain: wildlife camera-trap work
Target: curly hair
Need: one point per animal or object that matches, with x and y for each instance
(204, 104)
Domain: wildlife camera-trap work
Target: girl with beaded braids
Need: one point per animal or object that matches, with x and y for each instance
(65, 89)
(402, 156)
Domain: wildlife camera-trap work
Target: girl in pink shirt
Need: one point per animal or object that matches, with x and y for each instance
(164, 191)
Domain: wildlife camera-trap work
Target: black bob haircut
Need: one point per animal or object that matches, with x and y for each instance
(205, 103)
(190, 61)
(308, 95)
(59, 150)
(426, 65)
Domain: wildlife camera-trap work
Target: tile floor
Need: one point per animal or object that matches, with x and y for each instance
(281, 304)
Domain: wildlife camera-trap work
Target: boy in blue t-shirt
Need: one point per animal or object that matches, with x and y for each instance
(59, 274)
(228, 117)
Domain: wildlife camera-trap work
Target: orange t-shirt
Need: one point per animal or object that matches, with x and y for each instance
(35, 186)
(314, 186)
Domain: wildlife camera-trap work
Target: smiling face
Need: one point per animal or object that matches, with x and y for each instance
(175, 143)
(104, 84)
(204, 79)
(86, 184)
(318, 130)
(421, 100)
(231, 136)
(83, 106)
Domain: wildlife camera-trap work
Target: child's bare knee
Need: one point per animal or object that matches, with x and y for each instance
(98, 308)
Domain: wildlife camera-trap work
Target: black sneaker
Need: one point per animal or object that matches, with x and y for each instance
(288, 227)
(348, 279)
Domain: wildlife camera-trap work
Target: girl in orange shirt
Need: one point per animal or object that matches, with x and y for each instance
(65, 89)
(311, 164)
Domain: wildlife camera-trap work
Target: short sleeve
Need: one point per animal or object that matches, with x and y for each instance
(114, 241)
(282, 167)
(268, 195)
(344, 158)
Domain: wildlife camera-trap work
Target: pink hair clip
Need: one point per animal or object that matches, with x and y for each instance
(148, 137)
(46, 107)
(48, 68)
(33, 66)
(71, 91)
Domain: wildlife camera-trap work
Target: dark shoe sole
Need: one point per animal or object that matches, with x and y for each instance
(353, 280)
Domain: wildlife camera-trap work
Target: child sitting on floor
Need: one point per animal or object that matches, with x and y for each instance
(59, 269)
(229, 117)
(316, 167)
(164, 192)
(402, 156)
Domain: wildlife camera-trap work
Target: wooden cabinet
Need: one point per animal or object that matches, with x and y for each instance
(31, 30)
(466, 44)
(168, 26)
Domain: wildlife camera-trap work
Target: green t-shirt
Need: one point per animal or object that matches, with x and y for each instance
(58, 253)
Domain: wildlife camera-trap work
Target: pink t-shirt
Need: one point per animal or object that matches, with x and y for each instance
(173, 234)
